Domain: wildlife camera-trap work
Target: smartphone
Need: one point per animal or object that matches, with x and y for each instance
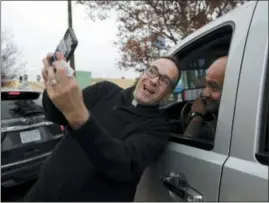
(67, 45)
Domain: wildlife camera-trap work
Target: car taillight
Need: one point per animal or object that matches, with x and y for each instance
(62, 128)
(14, 93)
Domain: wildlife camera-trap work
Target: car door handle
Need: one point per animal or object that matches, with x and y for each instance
(180, 187)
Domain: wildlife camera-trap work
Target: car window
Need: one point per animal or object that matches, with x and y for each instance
(16, 106)
(195, 60)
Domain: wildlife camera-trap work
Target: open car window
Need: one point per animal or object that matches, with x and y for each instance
(195, 59)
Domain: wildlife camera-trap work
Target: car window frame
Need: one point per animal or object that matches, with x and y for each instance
(201, 40)
(261, 155)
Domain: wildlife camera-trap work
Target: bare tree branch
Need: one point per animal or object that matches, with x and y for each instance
(11, 59)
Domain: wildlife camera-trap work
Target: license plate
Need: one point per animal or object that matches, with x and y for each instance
(30, 136)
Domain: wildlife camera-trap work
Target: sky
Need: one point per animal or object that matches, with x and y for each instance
(38, 27)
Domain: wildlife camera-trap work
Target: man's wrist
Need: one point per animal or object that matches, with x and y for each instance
(78, 118)
(197, 119)
(194, 115)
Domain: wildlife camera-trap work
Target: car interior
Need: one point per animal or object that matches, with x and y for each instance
(195, 59)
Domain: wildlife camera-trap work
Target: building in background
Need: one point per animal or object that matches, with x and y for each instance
(84, 78)
(122, 82)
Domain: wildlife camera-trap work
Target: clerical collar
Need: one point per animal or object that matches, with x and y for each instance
(128, 93)
(132, 106)
(134, 103)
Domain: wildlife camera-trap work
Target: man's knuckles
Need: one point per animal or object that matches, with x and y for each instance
(73, 85)
(60, 69)
(70, 87)
(56, 64)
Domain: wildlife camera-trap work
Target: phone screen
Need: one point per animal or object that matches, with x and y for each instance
(62, 47)
(67, 45)
(68, 42)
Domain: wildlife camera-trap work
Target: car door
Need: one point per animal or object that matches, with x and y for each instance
(182, 163)
(245, 173)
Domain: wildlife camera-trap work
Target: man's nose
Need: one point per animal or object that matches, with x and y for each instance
(154, 80)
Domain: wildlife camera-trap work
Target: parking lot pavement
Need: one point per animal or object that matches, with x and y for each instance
(16, 193)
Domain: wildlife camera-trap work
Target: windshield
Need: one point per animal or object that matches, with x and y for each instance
(18, 107)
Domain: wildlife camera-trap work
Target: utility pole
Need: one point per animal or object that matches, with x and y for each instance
(70, 24)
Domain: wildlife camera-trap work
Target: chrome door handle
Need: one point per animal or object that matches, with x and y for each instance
(180, 187)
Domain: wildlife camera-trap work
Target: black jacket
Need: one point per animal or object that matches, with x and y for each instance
(104, 159)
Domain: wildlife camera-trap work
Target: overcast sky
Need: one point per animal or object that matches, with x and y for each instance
(38, 27)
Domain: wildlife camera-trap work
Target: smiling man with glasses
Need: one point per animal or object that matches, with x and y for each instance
(111, 134)
(158, 81)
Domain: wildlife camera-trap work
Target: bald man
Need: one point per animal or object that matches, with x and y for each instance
(204, 111)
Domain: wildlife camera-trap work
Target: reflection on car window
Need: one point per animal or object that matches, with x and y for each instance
(14, 109)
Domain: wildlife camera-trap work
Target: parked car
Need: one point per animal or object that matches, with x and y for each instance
(233, 166)
(27, 138)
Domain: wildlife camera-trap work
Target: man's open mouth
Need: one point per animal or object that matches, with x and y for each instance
(148, 90)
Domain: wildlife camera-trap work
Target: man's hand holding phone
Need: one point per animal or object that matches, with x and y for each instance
(66, 47)
(47, 65)
(64, 91)
(62, 88)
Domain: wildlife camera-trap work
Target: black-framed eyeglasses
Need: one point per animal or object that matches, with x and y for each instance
(163, 80)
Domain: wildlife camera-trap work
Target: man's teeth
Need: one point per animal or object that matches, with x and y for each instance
(148, 91)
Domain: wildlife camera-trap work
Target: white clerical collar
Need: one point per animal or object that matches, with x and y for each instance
(134, 103)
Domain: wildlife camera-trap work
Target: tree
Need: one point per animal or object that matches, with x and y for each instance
(147, 29)
(11, 59)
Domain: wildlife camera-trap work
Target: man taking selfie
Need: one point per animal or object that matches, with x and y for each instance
(111, 134)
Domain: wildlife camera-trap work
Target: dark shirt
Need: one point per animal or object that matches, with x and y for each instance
(104, 159)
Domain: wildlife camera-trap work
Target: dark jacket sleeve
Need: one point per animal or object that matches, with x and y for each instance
(51, 111)
(90, 97)
(121, 160)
